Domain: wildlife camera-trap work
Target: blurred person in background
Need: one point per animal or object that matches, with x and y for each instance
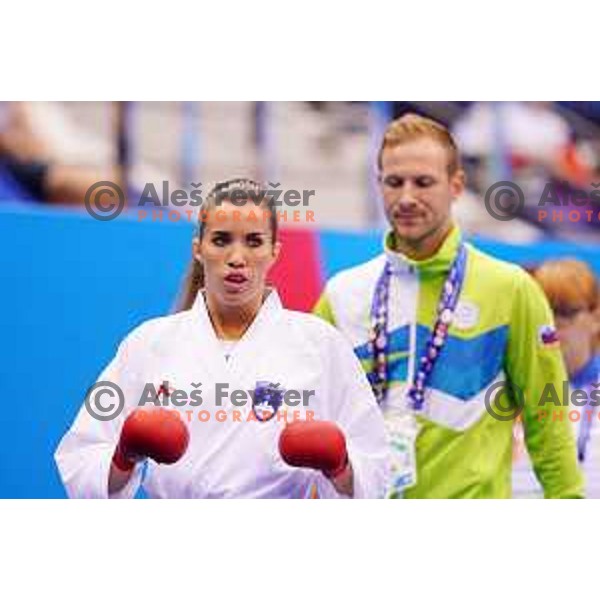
(45, 157)
(533, 145)
(531, 134)
(572, 290)
(531, 131)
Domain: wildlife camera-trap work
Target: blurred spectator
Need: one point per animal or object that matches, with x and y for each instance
(531, 131)
(338, 121)
(31, 160)
(572, 290)
(471, 215)
(573, 293)
(46, 157)
(531, 144)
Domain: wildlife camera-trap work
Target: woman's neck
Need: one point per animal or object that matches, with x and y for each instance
(230, 323)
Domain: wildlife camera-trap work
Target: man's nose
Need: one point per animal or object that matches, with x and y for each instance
(406, 199)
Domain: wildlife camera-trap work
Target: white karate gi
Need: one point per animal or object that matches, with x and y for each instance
(230, 459)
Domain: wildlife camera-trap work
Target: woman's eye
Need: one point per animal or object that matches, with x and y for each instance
(219, 240)
(255, 242)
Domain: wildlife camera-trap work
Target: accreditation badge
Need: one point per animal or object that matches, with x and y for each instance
(402, 430)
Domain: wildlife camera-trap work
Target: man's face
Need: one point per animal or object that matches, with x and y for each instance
(417, 190)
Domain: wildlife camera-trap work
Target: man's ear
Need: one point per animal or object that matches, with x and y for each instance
(458, 181)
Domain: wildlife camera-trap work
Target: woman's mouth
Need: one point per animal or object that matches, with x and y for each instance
(235, 281)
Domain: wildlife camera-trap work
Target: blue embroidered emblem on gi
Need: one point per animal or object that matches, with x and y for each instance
(267, 399)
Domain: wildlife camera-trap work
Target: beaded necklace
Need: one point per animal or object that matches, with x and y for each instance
(379, 341)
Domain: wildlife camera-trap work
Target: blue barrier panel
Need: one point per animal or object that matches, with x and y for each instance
(342, 250)
(533, 254)
(73, 287)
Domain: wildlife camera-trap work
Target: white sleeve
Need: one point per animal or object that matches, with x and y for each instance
(354, 409)
(84, 454)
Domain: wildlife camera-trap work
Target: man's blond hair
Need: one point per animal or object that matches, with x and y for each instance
(411, 127)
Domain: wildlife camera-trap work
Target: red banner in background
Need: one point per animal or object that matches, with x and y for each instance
(297, 273)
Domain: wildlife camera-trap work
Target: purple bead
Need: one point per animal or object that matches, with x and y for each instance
(446, 316)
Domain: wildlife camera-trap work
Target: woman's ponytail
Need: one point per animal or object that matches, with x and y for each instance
(192, 284)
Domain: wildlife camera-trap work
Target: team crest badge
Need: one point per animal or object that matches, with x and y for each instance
(267, 399)
(466, 315)
(548, 337)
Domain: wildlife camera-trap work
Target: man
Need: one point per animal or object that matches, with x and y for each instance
(439, 325)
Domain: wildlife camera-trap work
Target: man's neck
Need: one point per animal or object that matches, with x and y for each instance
(230, 323)
(423, 248)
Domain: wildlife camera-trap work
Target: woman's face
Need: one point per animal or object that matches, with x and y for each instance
(577, 329)
(237, 249)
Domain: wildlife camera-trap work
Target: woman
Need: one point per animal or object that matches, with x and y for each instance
(232, 366)
(572, 291)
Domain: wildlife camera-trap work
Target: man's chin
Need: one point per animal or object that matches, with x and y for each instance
(420, 241)
(410, 232)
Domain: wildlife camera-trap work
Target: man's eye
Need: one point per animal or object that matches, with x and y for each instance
(393, 181)
(424, 181)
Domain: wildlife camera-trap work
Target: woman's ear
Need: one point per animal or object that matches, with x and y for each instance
(197, 249)
(276, 250)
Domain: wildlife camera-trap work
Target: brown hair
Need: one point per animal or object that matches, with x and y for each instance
(568, 283)
(243, 190)
(411, 127)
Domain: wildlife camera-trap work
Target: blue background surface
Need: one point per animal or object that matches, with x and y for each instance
(74, 287)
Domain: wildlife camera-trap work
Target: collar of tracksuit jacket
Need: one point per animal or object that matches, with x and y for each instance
(440, 262)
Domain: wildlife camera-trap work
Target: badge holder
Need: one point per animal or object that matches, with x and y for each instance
(402, 430)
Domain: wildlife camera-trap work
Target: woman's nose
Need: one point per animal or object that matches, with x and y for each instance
(237, 256)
